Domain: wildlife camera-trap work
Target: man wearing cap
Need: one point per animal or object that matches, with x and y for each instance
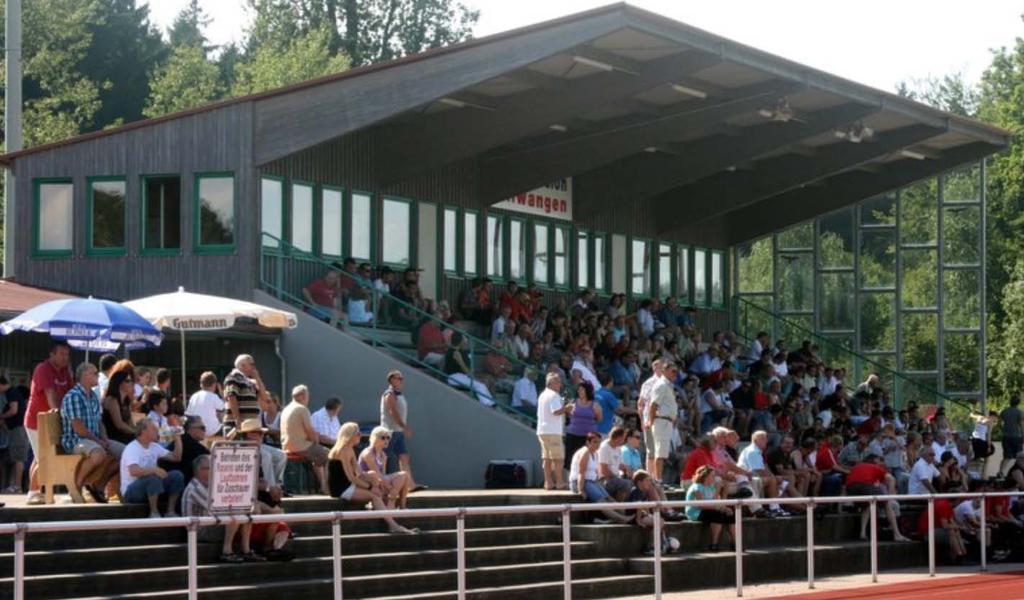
(253, 432)
(870, 478)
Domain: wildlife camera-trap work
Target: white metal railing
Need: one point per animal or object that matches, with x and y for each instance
(21, 530)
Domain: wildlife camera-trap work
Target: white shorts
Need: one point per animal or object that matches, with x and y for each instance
(662, 438)
(33, 440)
(349, 492)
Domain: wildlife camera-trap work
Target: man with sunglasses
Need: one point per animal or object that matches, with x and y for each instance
(192, 446)
(923, 474)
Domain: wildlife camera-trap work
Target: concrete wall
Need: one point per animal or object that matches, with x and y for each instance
(454, 436)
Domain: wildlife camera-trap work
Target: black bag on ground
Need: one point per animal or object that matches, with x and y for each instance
(505, 474)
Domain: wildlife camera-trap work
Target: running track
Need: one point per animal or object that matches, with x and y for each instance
(990, 586)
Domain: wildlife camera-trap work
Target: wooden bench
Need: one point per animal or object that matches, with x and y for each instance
(55, 467)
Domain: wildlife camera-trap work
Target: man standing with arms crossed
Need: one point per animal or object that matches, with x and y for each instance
(661, 414)
(550, 428)
(641, 408)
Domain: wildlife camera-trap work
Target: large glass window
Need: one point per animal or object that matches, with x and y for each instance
(878, 211)
(717, 279)
(495, 247)
(599, 262)
(835, 239)
(878, 322)
(561, 256)
(756, 266)
(664, 270)
(54, 234)
(700, 276)
(796, 282)
(360, 233)
(331, 222)
(878, 259)
(920, 341)
(302, 216)
(961, 228)
(161, 209)
(215, 209)
(469, 242)
(683, 274)
(838, 304)
(451, 240)
(396, 236)
(106, 216)
(272, 210)
(640, 268)
(919, 213)
(582, 260)
(961, 299)
(540, 254)
(517, 249)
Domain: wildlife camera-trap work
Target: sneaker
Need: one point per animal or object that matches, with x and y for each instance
(35, 498)
(155, 515)
(171, 514)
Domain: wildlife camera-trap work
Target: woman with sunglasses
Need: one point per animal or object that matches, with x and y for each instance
(374, 462)
(347, 481)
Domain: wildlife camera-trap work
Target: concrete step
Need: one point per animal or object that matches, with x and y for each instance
(130, 581)
(355, 559)
(708, 570)
(583, 588)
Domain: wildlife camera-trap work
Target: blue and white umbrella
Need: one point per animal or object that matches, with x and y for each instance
(88, 324)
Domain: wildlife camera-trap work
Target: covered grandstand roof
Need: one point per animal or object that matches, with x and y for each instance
(635, 107)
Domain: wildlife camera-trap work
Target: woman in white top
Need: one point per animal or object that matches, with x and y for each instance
(374, 462)
(348, 482)
(583, 478)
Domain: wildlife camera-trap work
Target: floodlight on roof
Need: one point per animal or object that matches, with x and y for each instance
(912, 154)
(689, 91)
(558, 127)
(590, 62)
(455, 102)
(782, 112)
(855, 133)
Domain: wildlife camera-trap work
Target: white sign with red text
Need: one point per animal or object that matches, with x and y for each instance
(552, 200)
(234, 474)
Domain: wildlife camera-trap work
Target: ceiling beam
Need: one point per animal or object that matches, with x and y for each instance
(646, 175)
(509, 174)
(449, 136)
(690, 206)
(795, 206)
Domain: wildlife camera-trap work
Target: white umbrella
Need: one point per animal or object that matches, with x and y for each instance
(184, 311)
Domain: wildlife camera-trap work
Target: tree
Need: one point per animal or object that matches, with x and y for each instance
(186, 81)
(271, 66)
(188, 26)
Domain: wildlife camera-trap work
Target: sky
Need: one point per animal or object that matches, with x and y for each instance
(875, 42)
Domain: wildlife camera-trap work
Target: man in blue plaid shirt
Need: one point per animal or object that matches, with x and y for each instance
(82, 433)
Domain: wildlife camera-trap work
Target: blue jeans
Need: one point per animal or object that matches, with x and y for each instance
(141, 489)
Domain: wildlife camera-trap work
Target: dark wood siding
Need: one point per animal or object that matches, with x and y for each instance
(218, 140)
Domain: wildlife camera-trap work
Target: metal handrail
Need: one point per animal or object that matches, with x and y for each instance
(284, 250)
(741, 303)
(336, 518)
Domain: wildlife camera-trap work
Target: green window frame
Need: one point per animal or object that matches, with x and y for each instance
(221, 247)
(517, 244)
(450, 240)
(332, 221)
(267, 207)
(684, 273)
(494, 246)
(162, 249)
(599, 243)
(646, 282)
(37, 215)
(470, 242)
(91, 249)
(701, 277)
(717, 298)
(582, 240)
(540, 232)
(561, 257)
(389, 218)
(296, 236)
(362, 232)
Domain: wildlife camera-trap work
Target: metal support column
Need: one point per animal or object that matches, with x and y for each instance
(810, 546)
(931, 537)
(336, 555)
(657, 553)
(873, 508)
(460, 552)
(739, 549)
(567, 552)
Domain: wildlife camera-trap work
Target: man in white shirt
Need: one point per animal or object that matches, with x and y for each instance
(499, 324)
(524, 394)
(550, 429)
(583, 363)
(141, 479)
(641, 409)
(757, 347)
(206, 404)
(752, 458)
(325, 421)
(943, 443)
(662, 411)
(923, 473)
(611, 472)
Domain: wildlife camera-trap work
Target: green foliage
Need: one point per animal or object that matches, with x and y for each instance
(187, 29)
(295, 60)
(187, 80)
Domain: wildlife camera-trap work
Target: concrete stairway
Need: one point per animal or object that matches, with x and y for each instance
(515, 556)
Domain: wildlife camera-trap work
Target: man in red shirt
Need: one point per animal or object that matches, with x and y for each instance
(870, 478)
(323, 295)
(51, 379)
(945, 521)
(700, 456)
